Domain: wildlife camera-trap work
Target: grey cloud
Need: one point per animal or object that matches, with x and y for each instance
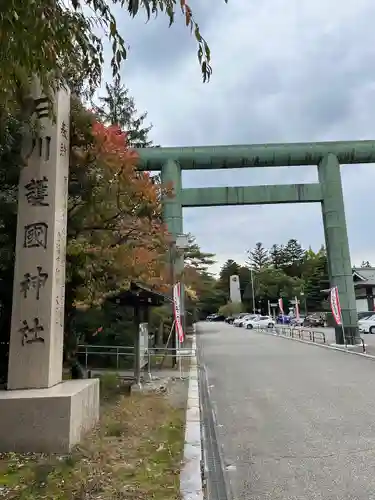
(300, 71)
(155, 47)
(236, 229)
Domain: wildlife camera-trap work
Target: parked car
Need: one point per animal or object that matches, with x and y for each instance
(215, 317)
(250, 317)
(297, 321)
(219, 317)
(365, 314)
(283, 319)
(240, 319)
(367, 325)
(314, 320)
(262, 321)
(230, 319)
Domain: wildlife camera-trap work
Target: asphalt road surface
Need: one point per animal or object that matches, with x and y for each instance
(294, 421)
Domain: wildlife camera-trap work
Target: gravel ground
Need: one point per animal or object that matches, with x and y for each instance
(295, 421)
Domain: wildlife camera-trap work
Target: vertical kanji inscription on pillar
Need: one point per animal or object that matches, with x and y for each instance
(36, 343)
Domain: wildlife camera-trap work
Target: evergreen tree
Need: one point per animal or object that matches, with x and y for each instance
(293, 258)
(205, 297)
(258, 258)
(271, 284)
(276, 256)
(247, 295)
(365, 263)
(118, 108)
(244, 274)
(196, 258)
(293, 252)
(229, 269)
(210, 297)
(316, 279)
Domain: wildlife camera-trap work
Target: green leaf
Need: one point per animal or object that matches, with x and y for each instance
(207, 51)
(200, 54)
(133, 7)
(197, 34)
(170, 14)
(118, 57)
(61, 43)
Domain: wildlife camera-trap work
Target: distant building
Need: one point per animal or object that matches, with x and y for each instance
(364, 287)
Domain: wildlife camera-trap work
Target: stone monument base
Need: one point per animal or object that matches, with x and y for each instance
(49, 420)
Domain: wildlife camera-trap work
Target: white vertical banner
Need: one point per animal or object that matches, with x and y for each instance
(177, 311)
(335, 305)
(281, 306)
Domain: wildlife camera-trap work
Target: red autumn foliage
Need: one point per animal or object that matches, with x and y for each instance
(118, 223)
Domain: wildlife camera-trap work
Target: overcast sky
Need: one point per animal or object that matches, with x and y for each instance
(283, 71)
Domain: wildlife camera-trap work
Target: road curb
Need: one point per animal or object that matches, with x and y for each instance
(333, 348)
(191, 486)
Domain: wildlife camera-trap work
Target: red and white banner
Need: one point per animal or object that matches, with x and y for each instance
(335, 305)
(297, 307)
(281, 306)
(177, 311)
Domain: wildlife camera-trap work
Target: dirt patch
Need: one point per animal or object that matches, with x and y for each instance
(177, 393)
(134, 454)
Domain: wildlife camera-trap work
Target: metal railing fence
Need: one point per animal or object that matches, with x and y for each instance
(310, 334)
(121, 359)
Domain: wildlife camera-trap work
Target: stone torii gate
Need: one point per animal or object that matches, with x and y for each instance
(328, 192)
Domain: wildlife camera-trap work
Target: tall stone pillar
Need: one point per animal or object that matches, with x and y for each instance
(39, 412)
(37, 333)
(337, 245)
(234, 289)
(172, 208)
(172, 216)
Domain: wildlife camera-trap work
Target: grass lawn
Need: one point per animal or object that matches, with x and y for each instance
(134, 454)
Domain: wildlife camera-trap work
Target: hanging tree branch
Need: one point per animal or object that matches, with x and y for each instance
(54, 42)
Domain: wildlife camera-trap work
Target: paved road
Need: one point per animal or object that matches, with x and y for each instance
(295, 421)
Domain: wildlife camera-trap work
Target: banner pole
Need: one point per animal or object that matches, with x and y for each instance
(343, 332)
